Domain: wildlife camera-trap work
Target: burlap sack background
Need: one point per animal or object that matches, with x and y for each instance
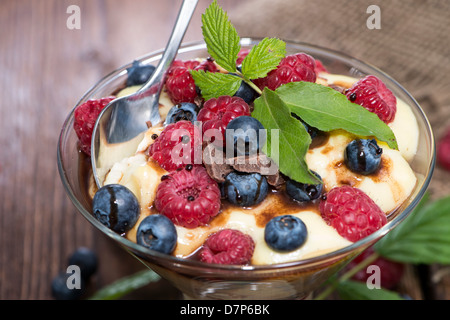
(413, 44)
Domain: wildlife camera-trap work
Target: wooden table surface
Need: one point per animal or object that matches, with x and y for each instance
(44, 69)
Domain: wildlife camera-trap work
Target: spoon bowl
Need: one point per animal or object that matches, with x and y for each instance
(121, 123)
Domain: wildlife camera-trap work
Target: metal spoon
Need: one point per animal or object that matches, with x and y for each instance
(121, 123)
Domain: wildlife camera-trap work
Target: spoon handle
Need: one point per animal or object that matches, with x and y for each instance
(183, 19)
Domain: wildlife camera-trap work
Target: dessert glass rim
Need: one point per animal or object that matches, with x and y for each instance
(249, 41)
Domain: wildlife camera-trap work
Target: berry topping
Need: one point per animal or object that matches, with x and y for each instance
(86, 260)
(188, 197)
(116, 207)
(207, 65)
(292, 68)
(182, 111)
(179, 84)
(363, 156)
(390, 271)
(85, 116)
(303, 192)
(178, 144)
(246, 135)
(443, 151)
(247, 93)
(139, 73)
(228, 247)
(320, 67)
(218, 112)
(245, 189)
(285, 233)
(371, 93)
(241, 56)
(351, 212)
(157, 232)
(312, 131)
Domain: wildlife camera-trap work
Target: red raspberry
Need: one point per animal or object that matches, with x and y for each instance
(320, 67)
(228, 247)
(179, 84)
(443, 151)
(351, 212)
(292, 68)
(207, 65)
(85, 116)
(371, 93)
(188, 197)
(390, 271)
(241, 56)
(218, 112)
(178, 144)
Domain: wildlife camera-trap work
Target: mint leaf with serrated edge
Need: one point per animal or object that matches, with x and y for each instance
(354, 290)
(221, 38)
(327, 109)
(287, 139)
(263, 57)
(423, 237)
(216, 84)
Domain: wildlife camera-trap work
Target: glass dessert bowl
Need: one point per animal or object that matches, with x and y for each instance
(287, 280)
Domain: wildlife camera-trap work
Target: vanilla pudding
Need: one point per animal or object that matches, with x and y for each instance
(389, 187)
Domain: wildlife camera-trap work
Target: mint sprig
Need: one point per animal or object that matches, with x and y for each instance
(221, 37)
(317, 105)
(355, 290)
(327, 109)
(223, 44)
(263, 58)
(216, 84)
(321, 107)
(424, 236)
(292, 138)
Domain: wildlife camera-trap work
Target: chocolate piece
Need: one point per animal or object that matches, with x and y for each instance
(261, 164)
(218, 166)
(214, 162)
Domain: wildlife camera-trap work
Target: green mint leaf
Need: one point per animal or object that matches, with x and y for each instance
(216, 84)
(287, 139)
(354, 290)
(263, 57)
(221, 38)
(423, 237)
(126, 285)
(327, 109)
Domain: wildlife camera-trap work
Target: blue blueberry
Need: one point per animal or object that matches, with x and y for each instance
(245, 189)
(86, 260)
(246, 135)
(157, 232)
(139, 74)
(246, 93)
(62, 291)
(363, 156)
(285, 233)
(116, 207)
(312, 131)
(183, 111)
(304, 192)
